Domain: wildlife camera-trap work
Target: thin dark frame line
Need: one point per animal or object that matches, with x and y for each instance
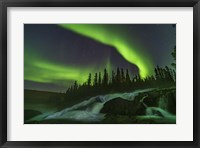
(101, 3)
(195, 73)
(4, 75)
(80, 3)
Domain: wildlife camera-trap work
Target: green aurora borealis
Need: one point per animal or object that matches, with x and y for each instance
(115, 38)
(39, 68)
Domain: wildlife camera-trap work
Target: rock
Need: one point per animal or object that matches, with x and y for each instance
(168, 102)
(119, 106)
(29, 113)
(119, 119)
(162, 98)
(100, 99)
(165, 99)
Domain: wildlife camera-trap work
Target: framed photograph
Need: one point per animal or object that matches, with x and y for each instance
(85, 73)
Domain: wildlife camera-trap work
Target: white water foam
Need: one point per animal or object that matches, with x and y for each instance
(89, 110)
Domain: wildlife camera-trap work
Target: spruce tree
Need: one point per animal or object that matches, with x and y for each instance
(113, 77)
(122, 75)
(75, 85)
(118, 76)
(128, 80)
(174, 57)
(105, 77)
(99, 80)
(89, 79)
(95, 79)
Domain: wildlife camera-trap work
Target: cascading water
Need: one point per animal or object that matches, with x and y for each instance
(158, 114)
(89, 110)
(163, 102)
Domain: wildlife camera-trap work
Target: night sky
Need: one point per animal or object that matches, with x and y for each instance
(57, 55)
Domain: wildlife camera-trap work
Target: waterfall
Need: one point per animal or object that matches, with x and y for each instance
(157, 112)
(95, 108)
(89, 110)
(163, 103)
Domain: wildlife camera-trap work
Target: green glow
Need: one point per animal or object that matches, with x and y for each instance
(108, 66)
(115, 38)
(39, 70)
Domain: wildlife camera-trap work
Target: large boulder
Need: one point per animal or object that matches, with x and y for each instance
(161, 98)
(119, 106)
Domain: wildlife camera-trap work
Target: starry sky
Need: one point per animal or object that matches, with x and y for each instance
(55, 55)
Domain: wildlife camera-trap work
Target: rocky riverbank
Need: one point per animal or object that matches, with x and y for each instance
(157, 106)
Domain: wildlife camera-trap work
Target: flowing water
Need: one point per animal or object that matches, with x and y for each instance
(89, 110)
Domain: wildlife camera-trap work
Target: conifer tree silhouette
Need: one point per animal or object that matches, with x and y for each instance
(99, 80)
(105, 78)
(95, 83)
(89, 79)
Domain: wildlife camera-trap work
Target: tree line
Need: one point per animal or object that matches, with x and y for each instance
(120, 81)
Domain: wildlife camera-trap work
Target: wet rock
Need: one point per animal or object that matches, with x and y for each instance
(29, 113)
(119, 106)
(164, 99)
